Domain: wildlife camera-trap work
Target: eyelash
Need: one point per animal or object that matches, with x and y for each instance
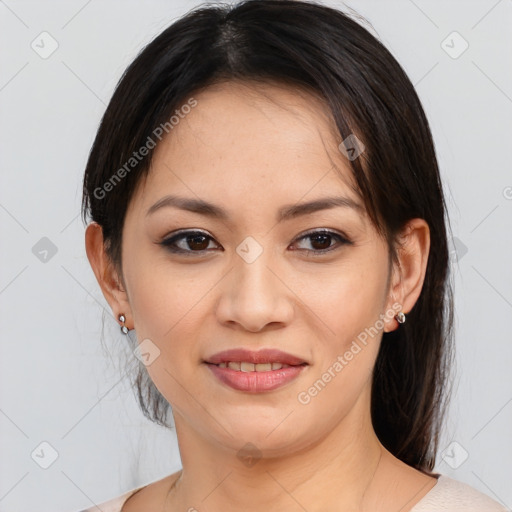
(168, 242)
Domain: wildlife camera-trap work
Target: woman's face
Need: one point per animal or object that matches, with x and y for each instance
(255, 280)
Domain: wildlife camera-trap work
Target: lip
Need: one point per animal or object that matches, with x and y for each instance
(256, 382)
(260, 356)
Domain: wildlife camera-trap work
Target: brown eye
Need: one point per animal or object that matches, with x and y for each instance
(197, 242)
(188, 242)
(321, 241)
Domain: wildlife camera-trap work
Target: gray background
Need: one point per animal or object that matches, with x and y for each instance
(59, 385)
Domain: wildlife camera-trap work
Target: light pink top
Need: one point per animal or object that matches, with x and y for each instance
(448, 495)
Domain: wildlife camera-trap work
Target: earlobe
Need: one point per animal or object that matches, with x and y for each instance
(409, 275)
(104, 270)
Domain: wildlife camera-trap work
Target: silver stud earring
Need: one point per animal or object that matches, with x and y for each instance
(124, 329)
(400, 317)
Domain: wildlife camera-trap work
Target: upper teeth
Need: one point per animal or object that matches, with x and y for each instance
(251, 367)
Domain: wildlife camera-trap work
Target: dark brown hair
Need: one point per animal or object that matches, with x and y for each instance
(303, 44)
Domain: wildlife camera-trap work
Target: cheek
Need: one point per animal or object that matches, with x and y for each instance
(333, 392)
(164, 296)
(164, 312)
(346, 349)
(347, 301)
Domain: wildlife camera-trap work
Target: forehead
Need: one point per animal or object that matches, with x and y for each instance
(288, 120)
(252, 141)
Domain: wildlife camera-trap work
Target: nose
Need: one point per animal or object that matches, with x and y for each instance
(255, 296)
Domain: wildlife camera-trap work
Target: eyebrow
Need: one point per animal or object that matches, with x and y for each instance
(286, 212)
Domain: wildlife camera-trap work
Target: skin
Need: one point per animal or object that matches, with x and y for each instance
(252, 150)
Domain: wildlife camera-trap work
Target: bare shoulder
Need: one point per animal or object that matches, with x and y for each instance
(151, 495)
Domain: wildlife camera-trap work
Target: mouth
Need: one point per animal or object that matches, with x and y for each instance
(244, 366)
(255, 372)
(245, 360)
(240, 376)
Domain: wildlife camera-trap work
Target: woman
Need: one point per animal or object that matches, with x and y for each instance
(268, 223)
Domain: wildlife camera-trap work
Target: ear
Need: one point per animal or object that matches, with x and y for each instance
(409, 275)
(105, 273)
